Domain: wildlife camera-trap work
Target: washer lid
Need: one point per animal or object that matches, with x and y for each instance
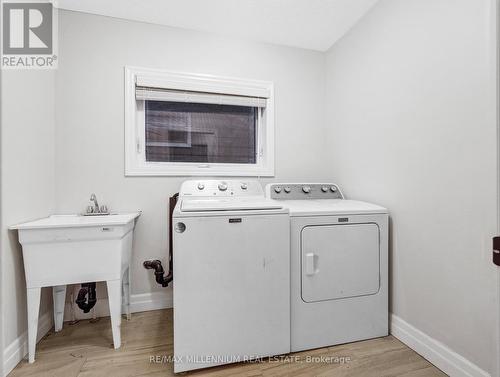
(228, 204)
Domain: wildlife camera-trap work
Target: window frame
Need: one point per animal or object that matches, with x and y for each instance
(135, 147)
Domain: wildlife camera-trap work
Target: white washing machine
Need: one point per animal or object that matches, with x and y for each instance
(231, 256)
(339, 265)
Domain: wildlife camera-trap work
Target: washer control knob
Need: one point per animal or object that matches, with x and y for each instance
(306, 189)
(244, 186)
(288, 190)
(201, 186)
(324, 189)
(277, 190)
(222, 187)
(333, 189)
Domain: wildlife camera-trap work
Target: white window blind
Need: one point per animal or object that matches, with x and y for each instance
(182, 82)
(157, 94)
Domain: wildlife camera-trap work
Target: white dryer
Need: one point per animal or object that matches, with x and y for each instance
(231, 257)
(339, 265)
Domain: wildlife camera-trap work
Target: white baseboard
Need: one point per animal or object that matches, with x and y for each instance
(436, 352)
(138, 303)
(18, 349)
(151, 301)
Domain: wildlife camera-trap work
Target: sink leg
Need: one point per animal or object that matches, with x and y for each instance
(59, 298)
(126, 293)
(115, 309)
(33, 295)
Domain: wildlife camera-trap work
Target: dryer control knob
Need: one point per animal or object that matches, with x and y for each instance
(324, 189)
(222, 187)
(333, 189)
(288, 190)
(306, 189)
(244, 186)
(201, 186)
(277, 190)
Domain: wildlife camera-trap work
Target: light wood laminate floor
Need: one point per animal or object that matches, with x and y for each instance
(85, 350)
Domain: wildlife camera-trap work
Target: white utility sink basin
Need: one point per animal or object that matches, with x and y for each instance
(71, 221)
(69, 249)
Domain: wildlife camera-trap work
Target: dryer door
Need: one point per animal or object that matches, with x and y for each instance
(340, 261)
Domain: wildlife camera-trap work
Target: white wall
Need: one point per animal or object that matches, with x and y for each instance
(411, 118)
(409, 124)
(90, 116)
(27, 181)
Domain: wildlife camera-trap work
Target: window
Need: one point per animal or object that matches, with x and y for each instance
(198, 132)
(179, 124)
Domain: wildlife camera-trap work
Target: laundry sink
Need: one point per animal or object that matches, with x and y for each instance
(70, 249)
(66, 249)
(70, 221)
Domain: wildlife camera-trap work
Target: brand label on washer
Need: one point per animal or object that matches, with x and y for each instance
(236, 220)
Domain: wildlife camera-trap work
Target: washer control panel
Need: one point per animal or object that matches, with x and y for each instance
(303, 191)
(227, 188)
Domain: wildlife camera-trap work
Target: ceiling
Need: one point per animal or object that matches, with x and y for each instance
(311, 24)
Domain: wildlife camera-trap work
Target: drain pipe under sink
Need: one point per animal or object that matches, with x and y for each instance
(87, 289)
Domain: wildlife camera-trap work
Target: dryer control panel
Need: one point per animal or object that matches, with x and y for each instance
(303, 191)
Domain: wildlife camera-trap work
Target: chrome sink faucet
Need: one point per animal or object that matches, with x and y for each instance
(95, 209)
(93, 198)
